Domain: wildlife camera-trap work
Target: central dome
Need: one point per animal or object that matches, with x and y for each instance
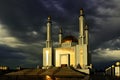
(69, 39)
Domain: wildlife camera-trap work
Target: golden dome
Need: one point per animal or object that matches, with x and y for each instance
(69, 39)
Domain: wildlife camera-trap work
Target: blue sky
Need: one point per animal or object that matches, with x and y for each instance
(23, 29)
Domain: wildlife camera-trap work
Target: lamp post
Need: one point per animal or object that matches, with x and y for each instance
(117, 69)
(113, 70)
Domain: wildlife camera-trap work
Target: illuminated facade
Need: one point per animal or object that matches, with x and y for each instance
(4, 68)
(71, 51)
(113, 70)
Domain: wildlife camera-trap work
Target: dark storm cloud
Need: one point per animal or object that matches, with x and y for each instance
(9, 57)
(23, 16)
(112, 44)
(14, 57)
(6, 53)
(105, 24)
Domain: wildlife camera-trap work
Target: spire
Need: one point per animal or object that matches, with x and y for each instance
(49, 19)
(49, 40)
(81, 12)
(86, 35)
(81, 27)
(60, 36)
(86, 27)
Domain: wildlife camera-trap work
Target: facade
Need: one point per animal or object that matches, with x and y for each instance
(114, 70)
(4, 68)
(71, 51)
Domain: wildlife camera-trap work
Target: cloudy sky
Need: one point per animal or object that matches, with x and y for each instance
(23, 29)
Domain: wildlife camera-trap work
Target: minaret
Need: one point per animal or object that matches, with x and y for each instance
(49, 40)
(86, 35)
(83, 41)
(81, 27)
(60, 36)
(47, 52)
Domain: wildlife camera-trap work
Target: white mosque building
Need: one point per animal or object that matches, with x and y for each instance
(71, 51)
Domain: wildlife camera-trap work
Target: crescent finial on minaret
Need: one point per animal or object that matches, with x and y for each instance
(49, 19)
(86, 27)
(81, 12)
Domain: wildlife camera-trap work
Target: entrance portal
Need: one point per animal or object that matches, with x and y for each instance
(65, 59)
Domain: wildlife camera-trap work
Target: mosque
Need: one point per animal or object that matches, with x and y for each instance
(71, 51)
